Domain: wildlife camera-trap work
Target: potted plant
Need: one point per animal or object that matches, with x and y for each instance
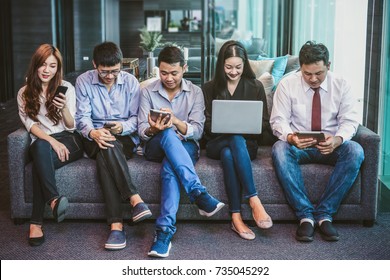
(173, 27)
(150, 40)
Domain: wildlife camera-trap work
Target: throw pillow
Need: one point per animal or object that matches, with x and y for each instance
(246, 43)
(279, 66)
(292, 63)
(261, 66)
(268, 82)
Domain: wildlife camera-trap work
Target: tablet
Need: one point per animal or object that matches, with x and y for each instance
(320, 136)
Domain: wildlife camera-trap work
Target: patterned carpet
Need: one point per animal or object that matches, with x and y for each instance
(84, 240)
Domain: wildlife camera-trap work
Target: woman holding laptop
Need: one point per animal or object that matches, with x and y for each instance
(235, 80)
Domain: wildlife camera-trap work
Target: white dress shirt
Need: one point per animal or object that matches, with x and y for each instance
(292, 106)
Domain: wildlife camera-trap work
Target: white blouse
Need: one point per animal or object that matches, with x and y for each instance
(44, 123)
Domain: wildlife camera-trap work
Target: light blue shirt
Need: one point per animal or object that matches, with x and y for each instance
(96, 105)
(188, 106)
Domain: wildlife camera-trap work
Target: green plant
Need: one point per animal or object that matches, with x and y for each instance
(150, 40)
(173, 24)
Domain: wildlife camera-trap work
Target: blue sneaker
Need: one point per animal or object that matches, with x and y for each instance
(141, 212)
(161, 244)
(116, 240)
(208, 205)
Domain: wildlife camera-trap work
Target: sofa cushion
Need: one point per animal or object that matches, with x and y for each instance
(82, 186)
(279, 68)
(268, 82)
(292, 63)
(259, 67)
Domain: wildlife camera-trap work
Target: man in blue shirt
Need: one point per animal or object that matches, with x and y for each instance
(174, 141)
(107, 107)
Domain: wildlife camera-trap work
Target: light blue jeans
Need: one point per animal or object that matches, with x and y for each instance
(346, 160)
(178, 160)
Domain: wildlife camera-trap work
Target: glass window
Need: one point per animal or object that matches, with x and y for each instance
(278, 27)
(384, 124)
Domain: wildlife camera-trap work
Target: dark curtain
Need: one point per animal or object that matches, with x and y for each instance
(6, 61)
(65, 33)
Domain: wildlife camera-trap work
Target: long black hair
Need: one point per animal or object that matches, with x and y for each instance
(231, 48)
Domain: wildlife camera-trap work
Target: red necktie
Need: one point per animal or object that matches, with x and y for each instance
(316, 111)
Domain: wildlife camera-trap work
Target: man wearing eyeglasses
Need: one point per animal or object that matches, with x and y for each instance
(107, 109)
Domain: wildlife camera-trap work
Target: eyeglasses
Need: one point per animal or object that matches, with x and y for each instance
(105, 73)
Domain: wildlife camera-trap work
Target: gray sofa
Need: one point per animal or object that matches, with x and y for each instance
(78, 181)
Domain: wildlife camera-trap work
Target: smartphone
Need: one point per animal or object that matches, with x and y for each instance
(59, 89)
(319, 136)
(154, 114)
(108, 125)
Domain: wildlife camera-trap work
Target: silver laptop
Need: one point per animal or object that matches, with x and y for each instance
(237, 116)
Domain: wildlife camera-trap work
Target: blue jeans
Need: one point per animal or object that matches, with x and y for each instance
(45, 162)
(178, 160)
(346, 160)
(236, 158)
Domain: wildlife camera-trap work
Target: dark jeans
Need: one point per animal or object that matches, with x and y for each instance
(45, 162)
(113, 173)
(235, 153)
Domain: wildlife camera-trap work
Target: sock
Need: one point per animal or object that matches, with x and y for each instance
(320, 222)
(307, 220)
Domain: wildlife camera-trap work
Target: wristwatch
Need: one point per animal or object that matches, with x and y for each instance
(148, 132)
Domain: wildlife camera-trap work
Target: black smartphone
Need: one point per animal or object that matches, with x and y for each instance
(108, 125)
(59, 89)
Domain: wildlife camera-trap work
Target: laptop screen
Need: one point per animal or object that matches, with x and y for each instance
(237, 116)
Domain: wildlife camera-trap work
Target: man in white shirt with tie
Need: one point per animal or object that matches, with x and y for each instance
(293, 111)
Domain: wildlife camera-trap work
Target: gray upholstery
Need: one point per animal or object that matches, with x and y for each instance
(78, 181)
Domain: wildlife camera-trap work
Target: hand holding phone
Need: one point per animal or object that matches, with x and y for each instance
(59, 89)
(108, 125)
(154, 114)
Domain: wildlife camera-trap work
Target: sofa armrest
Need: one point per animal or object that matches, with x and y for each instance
(370, 142)
(18, 157)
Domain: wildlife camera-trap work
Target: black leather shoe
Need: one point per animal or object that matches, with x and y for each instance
(305, 232)
(328, 231)
(60, 208)
(36, 241)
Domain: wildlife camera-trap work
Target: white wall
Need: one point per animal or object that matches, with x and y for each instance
(349, 54)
